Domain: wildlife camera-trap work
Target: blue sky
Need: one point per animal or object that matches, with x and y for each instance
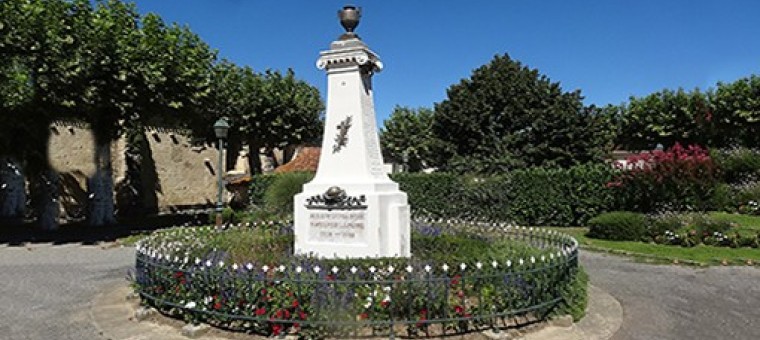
(609, 49)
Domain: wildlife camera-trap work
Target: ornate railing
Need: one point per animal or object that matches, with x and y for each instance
(369, 297)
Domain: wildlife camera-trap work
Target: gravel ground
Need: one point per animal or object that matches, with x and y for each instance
(673, 302)
(46, 291)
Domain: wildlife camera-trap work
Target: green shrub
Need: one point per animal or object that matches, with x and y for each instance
(536, 196)
(279, 195)
(433, 195)
(258, 187)
(738, 164)
(618, 226)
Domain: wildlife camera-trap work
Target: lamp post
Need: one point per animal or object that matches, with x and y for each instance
(221, 128)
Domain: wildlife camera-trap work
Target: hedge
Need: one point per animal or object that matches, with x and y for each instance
(537, 196)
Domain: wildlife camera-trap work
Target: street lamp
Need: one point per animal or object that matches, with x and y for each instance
(221, 128)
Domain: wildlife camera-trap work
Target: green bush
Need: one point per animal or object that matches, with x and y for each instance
(737, 165)
(258, 187)
(618, 226)
(432, 195)
(279, 195)
(537, 196)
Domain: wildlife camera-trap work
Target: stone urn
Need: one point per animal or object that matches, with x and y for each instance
(349, 18)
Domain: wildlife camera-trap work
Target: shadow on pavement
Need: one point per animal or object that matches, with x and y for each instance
(79, 232)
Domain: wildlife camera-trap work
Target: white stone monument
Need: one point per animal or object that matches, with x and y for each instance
(351, 208)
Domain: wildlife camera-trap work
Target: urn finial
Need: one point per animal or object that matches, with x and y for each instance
(349, 18)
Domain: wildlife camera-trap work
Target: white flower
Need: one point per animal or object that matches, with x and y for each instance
(235, 266)
(208, 263)
(298, 269)
(265, 268)
(249, 266)
(335, 270)
(353, 270)
(445, 267)
(428, 268)
(190, 305)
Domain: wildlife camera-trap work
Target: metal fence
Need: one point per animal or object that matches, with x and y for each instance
(380, 297)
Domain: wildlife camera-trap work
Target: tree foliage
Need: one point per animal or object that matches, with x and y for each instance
(102, 63)
(266, 110)
(666, 117)
(407, 137)
(725, 116)
(507, 115)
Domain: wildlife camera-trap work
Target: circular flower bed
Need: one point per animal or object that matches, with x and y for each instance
(462, 276)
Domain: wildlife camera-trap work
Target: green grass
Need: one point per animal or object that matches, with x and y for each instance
(648, 252)
(746, 224)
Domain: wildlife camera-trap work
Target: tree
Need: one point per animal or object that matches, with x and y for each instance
(507, 116)
(266, 111)
(666, 117)
(36, 40)
(737, 112)
(407, 137)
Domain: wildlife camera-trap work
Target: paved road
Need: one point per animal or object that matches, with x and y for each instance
(672, 302)
(46, 291)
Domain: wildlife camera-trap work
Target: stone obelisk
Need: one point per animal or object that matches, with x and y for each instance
(351, 208)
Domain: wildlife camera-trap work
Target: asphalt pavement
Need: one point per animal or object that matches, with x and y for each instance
(48, 292)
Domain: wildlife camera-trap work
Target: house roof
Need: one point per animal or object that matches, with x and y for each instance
(307, 159)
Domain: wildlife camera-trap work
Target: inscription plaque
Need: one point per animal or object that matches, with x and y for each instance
(337, 226)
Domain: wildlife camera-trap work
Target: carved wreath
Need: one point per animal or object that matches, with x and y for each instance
(336, 198)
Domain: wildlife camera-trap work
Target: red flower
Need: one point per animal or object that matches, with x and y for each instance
(276, 329)
(263, 291)
(178, 274)
(455, 279)
(302, 315)
(363, 316)
(261, 311)
(278, 314)
(295, 303)
(459, 310)
(218, 305)
(385, 303)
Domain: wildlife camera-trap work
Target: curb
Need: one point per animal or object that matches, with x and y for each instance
(604, 315)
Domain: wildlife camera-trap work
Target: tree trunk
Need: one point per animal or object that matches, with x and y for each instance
(12, 191)
(254, 157)
(100, 188)
(44, 190)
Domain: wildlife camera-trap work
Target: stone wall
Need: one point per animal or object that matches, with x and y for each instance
(175, 174)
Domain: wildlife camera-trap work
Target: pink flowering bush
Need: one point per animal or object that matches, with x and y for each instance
(679, 178)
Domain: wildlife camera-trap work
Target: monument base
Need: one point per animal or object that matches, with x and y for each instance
(358, 225)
